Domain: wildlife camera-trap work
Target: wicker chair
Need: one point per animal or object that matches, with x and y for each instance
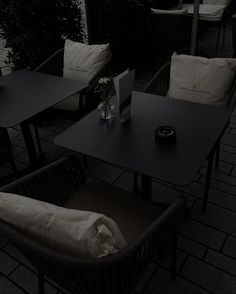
(88, 99)
(220, 24)
(143, 224)
(159, 85)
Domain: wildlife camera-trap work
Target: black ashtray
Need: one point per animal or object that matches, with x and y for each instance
(165, 134)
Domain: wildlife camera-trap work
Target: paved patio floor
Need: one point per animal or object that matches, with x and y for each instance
(207, 242)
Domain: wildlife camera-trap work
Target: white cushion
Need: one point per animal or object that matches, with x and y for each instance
(82, 62)
(217, 2)
(72, 232)
(216, 15)
(177, 11)
(207, 12)
(200, 79)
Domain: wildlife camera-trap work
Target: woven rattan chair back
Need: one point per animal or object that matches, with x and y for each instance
(89, 99)
(159, 85)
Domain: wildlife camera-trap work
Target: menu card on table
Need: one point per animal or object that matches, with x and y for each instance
(124, 83)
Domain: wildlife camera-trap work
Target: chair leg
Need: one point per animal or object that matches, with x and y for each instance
(135, 183)
(218, 37)
(13, 164)
(85, 159)
(8, 148)
(37, 138)
(224, 29)
(40, 283)
(173, 255)
(217, 158)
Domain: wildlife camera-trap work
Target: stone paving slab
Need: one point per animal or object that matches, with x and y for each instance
(208, 277)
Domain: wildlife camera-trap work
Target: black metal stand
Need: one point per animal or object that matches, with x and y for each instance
(173, 255)
(29, 143)
(41, 283)
(147, 187)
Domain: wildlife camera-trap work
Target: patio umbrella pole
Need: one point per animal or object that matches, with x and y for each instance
(193, 47)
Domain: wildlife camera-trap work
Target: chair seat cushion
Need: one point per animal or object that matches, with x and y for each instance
(202, 80)
(79, 233)
(217, 2)
(171, 11)
(132, 214)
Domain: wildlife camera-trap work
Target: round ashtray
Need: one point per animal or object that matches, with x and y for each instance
(165, 134)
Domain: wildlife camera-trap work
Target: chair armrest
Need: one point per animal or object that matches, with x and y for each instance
(166, 222)
(232, 94)
(138, 255)
(53, 64)
(54, 183)
(159, 84)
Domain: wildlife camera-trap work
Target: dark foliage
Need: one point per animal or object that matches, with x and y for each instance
(34, 29)
(127, 29)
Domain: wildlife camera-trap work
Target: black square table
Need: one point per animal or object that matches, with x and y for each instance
(24, 94)
(199, 128)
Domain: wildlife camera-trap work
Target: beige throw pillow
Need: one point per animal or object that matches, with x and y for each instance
(73, 232)
(200, 79)
(82, 62)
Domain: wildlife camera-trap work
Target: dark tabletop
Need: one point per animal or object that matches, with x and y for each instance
(133, 145)
(26, 93)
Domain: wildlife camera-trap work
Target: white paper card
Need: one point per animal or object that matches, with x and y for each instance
(124, 84)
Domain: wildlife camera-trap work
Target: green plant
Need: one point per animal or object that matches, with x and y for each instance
(34, 29)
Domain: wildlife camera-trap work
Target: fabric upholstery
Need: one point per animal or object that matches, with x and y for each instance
(69, 231)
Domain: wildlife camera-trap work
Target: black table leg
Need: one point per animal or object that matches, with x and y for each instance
(147, 187)
(29, 143)
(208, 178)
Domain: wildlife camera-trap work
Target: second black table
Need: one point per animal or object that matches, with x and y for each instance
(133, 146)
